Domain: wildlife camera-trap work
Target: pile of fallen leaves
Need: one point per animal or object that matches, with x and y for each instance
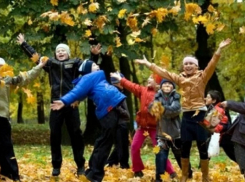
(35, 166)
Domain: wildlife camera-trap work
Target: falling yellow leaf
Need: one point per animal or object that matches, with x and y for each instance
(156, 149)
(220, 27)
(164, 177)
(146, 22)
(132, 22)
(167, 136)
(54, 16)
(54, 2)
(35, 57)
(210, 28)
(101, 21)
(146, 133)
(109, 50)
(157, 110)
(6, 70)
(165, 61)
(196, 113)
(31, 100)
(121, 13)
(27, 92)
(87, 22)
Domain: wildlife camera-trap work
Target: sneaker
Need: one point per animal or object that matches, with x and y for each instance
(80, 171)
(139, 174)
(173, 175)
(56, 172)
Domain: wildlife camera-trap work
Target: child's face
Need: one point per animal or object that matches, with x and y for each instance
(190, 68)
(209, 100)
(167, 87)
(61, 54)
(95, 67)
(151, 82)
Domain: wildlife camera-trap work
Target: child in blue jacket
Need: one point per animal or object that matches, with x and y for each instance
(107, 98)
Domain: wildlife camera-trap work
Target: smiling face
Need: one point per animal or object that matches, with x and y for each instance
(190, 68)
(167, 87)
(95, 67)
(61, 54)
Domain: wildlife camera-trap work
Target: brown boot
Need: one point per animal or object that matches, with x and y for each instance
(185, 169)
(205, 170)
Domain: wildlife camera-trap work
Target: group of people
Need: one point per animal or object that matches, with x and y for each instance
(168, 131)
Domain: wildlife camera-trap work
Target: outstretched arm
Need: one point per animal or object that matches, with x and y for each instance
(159, 71)
(234, 106)
(57, 105)
(209, 70)
(26, 47)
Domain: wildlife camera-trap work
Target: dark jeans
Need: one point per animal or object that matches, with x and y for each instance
(120, 153)
(8, 162)
(161, 159)
(71, 118)
(102, 146)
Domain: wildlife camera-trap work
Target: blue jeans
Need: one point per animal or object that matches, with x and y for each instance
(161, 160)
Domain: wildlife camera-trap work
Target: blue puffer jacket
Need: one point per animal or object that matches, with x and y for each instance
(95, 86)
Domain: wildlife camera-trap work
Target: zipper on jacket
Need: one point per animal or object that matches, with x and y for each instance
(61, 78)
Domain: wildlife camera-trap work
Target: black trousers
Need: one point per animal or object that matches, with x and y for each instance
(120, 153)
(8, 162)
(71, 118)
(102, 146)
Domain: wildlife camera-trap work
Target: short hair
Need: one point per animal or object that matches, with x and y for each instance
(215, 95)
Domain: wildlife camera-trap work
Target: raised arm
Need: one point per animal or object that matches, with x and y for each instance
(209, 70)
(26, 77)
(29, 50)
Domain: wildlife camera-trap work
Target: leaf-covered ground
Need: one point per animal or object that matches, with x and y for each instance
(35, 166)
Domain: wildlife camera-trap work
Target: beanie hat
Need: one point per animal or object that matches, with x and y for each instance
(190, 59)
(164, 81)
(114, 80)
(64, 46)
(2, 62)
(86, 67)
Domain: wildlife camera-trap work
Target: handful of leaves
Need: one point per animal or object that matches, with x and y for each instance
(157, 110)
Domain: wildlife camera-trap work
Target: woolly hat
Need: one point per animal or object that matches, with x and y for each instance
(2, 62)
(114, 80)
(86, 67)
(64, 46)
(190, 59)
(164, 81)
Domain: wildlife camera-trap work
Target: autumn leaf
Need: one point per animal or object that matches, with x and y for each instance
(156, 149)
(31, 100)
(165, 61)
(220, 27)
(29, 22)
(87, 22)
(6, 70)
(101, 21)
(157, 110)
(109, 50)
(65, 18)
(93, 7)
(121, 13)
(167, 136)
(118, 42)
(154, 31)
(54, 2)
(210, 28)
(211, 8)
(132, 22)
(37, 85)
(88, 33)
(146, 22)
(139, 40)
(35, 57)
(27, 92)
(196, 113)
(146, 133)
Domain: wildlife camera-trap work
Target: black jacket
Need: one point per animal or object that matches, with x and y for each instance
(237, 128)
(61, 73)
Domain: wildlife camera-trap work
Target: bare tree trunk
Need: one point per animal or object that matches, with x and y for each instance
(40, 108)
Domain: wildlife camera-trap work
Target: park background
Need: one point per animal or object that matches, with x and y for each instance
(165, 31)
